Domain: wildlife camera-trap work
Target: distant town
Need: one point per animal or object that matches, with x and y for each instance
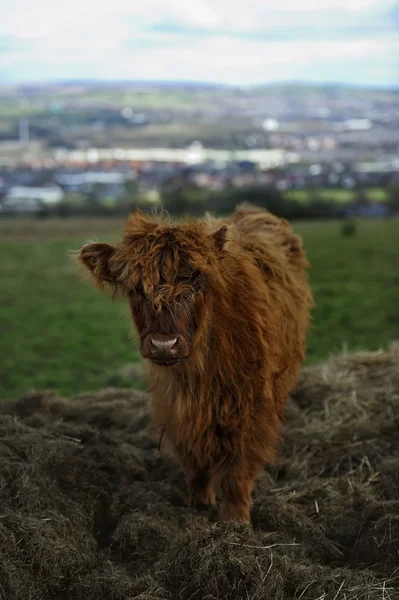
(61, 144)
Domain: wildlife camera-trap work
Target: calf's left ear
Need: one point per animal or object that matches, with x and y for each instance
(95, 257)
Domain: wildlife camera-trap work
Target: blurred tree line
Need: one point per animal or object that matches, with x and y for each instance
(178, 199)
(183, 198)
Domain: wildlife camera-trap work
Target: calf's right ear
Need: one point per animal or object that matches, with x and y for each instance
(95, 257)
(219, 237)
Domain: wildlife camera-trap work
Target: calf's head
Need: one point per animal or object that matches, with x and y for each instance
(166, 272)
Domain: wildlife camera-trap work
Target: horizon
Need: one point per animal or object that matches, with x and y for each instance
(167, 83)
(352, 42)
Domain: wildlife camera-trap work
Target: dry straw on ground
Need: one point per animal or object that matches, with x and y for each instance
(90, 510)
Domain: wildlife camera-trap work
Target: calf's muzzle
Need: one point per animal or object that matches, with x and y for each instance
(164, 349)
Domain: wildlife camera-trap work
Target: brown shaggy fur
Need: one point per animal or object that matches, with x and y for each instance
(236, 292)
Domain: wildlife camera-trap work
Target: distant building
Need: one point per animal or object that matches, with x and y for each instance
(366, 210)
(21, 199)
(270, 125)
(357, 124)
(48, 195)
(89, 178)
(107, 183)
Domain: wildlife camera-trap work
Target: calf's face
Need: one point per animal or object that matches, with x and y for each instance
(167, 326)
(165, 274)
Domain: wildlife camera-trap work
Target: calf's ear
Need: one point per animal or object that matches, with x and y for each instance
(219, 237)
(95, 257)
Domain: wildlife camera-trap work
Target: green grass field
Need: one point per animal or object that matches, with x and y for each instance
(57, 332)
(337, 195)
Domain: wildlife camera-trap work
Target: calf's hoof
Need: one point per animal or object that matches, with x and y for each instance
(202, 499)
(230, 513)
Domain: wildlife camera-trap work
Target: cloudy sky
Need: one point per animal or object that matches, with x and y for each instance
(226, 41)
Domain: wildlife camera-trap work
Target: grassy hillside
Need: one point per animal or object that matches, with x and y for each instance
(94, 509)
(55, 331)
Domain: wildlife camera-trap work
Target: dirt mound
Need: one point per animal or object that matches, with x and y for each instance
(89, 509)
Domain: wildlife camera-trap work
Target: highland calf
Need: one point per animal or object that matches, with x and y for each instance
(221, 307)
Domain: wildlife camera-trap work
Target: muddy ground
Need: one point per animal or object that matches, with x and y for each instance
(90, 509)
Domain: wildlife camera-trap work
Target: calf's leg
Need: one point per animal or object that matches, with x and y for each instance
(199, 483)
(236, 483)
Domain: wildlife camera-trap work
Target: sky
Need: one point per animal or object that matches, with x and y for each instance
(220, 41)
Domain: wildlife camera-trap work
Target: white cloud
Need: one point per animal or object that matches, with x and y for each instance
(24, 18)
(121, 40)
(222, 59)
(216, 59)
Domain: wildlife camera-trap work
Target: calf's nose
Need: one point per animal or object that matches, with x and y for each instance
(165, 345)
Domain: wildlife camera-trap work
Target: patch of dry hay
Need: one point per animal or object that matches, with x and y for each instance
(90, 510)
